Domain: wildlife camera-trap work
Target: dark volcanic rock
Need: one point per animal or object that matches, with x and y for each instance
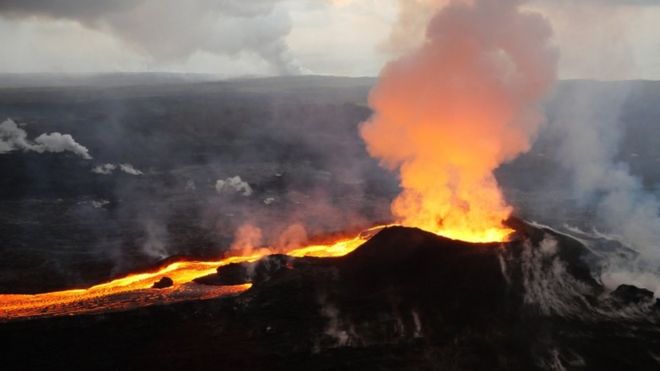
(406, 299)
(163, 283)
(238, 273)
(231, 274)
(271, 267)
(629, 294)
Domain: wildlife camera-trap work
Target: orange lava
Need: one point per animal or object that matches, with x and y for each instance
(135, 290)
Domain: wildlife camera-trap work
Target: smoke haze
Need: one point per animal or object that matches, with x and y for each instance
(223, 27)
(591, 130)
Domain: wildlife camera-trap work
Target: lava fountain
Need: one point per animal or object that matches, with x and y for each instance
(451, 112)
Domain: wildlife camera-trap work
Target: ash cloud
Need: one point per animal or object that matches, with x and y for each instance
(13, 137)
(174, 30)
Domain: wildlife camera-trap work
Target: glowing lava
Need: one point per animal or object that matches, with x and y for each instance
(448, 114)
(135, 290)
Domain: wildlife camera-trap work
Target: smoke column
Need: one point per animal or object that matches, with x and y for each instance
(591, 130)
(452, 111)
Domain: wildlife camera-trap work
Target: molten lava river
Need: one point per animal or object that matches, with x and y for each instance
(135, 290)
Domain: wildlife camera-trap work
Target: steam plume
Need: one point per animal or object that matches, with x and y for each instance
(448, 114)
(233, 184)
(591, 130)
(107, 169)
(12, 138)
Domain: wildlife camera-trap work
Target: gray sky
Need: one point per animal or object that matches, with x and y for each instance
(603, 39)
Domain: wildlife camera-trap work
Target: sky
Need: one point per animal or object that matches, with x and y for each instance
(597, 39)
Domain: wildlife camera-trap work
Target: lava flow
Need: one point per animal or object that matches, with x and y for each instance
(135, 290)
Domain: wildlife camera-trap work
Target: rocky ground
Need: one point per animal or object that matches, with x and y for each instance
(406, 299)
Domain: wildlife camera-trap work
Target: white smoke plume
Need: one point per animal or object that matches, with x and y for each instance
(99, 204)
(591, 130)
(233, 185)
(171, 30)
(155, 243)
(129, 169)
(107, 169)
(341, 331)
(13, 137)
(552, 290)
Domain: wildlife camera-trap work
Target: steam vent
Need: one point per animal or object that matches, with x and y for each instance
(405, 298)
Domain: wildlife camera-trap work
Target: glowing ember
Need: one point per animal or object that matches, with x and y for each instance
(135, 290)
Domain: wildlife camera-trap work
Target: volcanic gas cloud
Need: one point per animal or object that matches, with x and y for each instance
(449, 113)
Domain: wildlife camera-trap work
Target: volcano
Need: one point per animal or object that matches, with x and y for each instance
(405, 299)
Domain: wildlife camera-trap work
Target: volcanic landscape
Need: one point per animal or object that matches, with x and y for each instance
(370, 297)
(465, 210)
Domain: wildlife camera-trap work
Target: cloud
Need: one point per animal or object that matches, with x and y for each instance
(12, 138)
(107, 169)
(172, 30)
(233, 185)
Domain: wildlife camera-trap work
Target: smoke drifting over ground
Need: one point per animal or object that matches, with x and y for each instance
(290, 143)
(447, 115)
(591, 132)
(13, 137)
(233, 185)
(178, 29)
(107, 169)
